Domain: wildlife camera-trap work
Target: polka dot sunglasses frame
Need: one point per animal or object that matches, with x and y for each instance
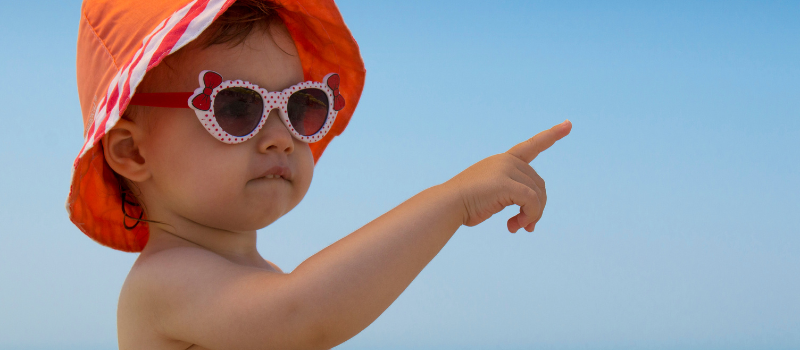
(233, 111)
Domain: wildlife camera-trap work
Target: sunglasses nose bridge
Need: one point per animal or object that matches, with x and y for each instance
(275, 133)
(272, 100)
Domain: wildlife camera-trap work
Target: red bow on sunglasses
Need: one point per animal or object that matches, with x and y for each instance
(210, 81)
(338, 100)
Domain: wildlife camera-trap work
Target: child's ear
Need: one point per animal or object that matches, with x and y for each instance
(121, 149)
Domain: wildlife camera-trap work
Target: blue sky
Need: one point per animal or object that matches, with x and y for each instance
(671, 215)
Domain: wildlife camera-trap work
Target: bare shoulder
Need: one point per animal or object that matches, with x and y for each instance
(154, 282)
(201, 298)
(157, 278)
(152, 272)
(168, 263)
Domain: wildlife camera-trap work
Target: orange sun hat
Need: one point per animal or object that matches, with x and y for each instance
(120, 40)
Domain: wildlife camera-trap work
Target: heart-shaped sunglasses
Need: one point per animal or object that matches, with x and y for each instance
(233, 111)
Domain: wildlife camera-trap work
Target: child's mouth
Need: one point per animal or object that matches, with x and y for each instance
(277, 172)
(272, 177)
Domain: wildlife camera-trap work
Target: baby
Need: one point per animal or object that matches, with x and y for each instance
(204, 120)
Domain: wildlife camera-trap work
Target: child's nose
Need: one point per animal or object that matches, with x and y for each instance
(274, 136)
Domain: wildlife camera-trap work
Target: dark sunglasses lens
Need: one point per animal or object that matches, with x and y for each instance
(308, 109)
(238, 110)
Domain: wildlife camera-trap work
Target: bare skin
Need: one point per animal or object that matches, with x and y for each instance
(200, 283)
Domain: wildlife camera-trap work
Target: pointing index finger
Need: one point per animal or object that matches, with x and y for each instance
(528, 150)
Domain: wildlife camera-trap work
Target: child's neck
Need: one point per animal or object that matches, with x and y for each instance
(237, 247)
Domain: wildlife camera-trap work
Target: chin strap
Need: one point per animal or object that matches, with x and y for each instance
(125, 223)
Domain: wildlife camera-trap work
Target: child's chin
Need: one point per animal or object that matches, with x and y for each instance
(237, 222)
(253, 213)
(260, 221)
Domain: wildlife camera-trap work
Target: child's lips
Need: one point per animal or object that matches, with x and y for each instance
(278, 171)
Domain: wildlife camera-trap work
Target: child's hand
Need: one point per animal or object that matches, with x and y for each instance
(504, 179)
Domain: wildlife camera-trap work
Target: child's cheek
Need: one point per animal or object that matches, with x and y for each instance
(191, 168)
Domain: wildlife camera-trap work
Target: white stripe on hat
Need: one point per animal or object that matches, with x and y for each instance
(108, 115)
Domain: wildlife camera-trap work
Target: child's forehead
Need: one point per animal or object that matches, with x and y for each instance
(267, 57)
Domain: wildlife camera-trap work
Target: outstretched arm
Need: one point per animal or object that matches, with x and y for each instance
(351, 282)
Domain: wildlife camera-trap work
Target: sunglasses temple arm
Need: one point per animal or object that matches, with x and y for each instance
(162, 99)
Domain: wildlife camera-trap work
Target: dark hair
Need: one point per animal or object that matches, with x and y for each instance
(232, 27)
(238, 21)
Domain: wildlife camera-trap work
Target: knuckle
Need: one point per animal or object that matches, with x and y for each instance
(520, 162)
(531, 142)
(532, 194)
(510, 169)
(511, 186)
(509, 161)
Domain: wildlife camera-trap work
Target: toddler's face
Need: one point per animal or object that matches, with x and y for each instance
(197, 177)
